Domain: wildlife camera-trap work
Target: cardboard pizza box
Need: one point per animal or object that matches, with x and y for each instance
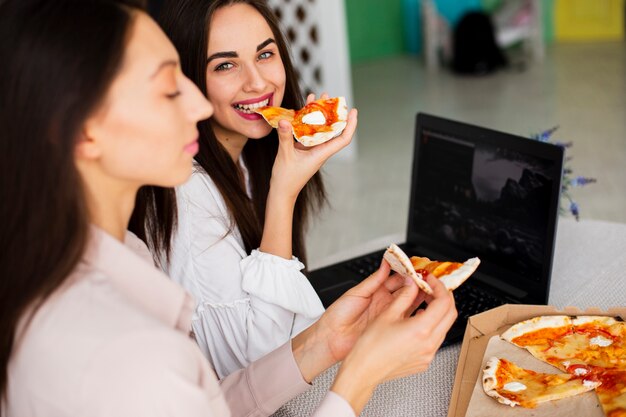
(481, 327)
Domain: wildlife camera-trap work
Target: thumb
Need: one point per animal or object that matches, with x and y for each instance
(404, 299)
(371, 284)
(285, 134)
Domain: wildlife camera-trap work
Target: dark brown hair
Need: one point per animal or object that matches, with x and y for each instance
(187, 23)
(58, 60)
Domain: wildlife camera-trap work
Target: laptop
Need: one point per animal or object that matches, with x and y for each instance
(474, 192)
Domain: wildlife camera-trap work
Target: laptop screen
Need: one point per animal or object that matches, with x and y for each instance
(478, 192)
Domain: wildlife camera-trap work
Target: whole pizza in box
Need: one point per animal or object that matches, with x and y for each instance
(589, 351)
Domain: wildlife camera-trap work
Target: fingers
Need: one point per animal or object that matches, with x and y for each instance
(311, 97)
(404, 299)
(440, 309)
(285, 134)
(371, 284)
(394, 283)
(446, 322)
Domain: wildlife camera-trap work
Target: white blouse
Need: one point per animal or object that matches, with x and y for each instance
(247, 305)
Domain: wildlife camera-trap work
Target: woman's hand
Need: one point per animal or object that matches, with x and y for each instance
(396, 344)
(293, 167)
(332, 337)
(295, 164)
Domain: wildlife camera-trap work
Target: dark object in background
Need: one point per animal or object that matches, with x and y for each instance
(475, 50)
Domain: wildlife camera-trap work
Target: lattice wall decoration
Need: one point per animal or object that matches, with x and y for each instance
(302, 30)
(317, 33)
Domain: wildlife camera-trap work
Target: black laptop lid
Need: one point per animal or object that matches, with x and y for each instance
(479, 192)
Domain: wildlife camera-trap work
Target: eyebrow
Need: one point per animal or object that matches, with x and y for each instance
(169, 62)
(233, 54)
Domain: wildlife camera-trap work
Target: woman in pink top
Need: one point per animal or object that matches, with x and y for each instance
(93, 106)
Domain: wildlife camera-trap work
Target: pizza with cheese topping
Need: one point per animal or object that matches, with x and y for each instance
(589, 348)
(511, 385)
(452, 274)
(564, 341)
(316, 123)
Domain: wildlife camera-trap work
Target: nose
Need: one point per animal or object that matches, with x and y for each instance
(197, 106)
(254, 79)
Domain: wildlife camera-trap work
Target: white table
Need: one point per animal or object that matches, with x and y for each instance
(589, 271)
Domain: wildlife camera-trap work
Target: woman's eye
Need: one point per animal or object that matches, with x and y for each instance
(266, 55)
(173, 95)
(223, 67)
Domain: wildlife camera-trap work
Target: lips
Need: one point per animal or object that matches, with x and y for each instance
(246, 108)
(192, 147)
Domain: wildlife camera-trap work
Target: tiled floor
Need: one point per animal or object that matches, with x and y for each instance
(580, 87)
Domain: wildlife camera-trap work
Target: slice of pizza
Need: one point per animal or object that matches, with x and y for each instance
(612, 392)
(573, 344)
(316, 123)
(511, 385)
(452, 274)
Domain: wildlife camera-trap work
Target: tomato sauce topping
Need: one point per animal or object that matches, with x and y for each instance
(328, 108)
(542, 336)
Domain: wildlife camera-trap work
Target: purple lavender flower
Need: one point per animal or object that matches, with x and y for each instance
(573, 208)
(580, 181)
(545, 135)
(567, 182)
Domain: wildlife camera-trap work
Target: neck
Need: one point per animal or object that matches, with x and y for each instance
(109, 202)
(232, 142)
(112, 215)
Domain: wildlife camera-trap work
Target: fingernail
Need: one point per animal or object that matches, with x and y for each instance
(408, 281)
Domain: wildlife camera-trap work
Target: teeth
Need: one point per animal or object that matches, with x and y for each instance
(248, 108)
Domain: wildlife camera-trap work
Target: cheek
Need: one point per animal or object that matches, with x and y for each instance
(145, 153)
(221, 90)
(279, 78)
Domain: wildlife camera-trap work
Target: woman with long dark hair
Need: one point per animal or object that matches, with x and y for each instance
(93, 106)
(239, 242)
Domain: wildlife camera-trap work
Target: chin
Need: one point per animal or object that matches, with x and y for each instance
(260, 133)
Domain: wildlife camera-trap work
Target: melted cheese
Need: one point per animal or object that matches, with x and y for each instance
(529, 388)
(314, 118)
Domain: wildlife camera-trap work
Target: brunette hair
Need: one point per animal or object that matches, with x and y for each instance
(58, 60)
(187, 23)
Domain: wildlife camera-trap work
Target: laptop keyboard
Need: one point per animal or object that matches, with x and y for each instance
(367, 265)
(470, 300)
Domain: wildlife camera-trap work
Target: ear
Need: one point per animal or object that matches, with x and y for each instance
(87, 145)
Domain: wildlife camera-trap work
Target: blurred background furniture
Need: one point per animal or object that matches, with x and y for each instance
(516, 22)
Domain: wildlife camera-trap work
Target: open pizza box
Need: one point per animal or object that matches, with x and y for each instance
(466, 400)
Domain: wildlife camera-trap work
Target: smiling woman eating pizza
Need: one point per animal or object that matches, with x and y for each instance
(239, 243)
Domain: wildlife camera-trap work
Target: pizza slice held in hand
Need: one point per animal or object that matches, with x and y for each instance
(316, 123)
(452, 274)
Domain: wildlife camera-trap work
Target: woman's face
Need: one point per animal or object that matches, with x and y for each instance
(145, 131)
(244, 71)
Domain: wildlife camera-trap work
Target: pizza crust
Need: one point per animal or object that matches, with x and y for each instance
(603, 320)
(321, 137)
(399, 262)
(535, 324)
(490, 382)
(457, 277)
